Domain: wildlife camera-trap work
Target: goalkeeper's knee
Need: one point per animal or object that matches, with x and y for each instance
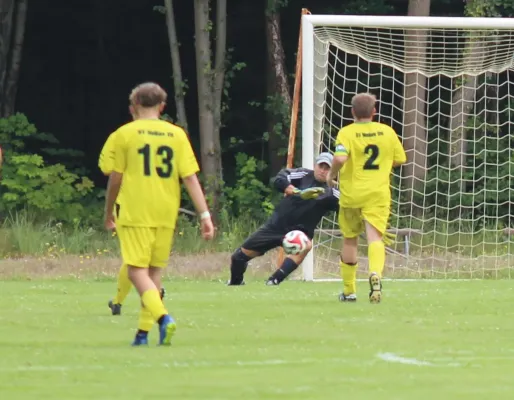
(239, 257)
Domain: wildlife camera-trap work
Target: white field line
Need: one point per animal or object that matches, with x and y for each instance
(172, 365)
(396, 359)
(387, 357)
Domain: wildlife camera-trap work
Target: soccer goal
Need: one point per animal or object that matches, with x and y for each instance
(444, 85)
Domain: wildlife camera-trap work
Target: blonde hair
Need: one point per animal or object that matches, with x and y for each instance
(147, 95)
(363, 105)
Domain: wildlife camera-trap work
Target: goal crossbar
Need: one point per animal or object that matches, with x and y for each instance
(370, 21)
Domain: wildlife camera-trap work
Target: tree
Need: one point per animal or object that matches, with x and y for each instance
(414, 108)
(279, 98)
(210, 78)
(464, 97)
(13, 14)
(178, 83)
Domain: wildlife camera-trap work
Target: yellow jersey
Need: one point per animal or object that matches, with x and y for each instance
(372, 148)
(152, 155)
(106, 160)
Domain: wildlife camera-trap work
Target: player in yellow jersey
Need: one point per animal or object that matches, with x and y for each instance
(150, 158)
(106, 164)
(365, 153)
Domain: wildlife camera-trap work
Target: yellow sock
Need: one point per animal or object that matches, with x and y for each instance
(349, 275)
(153, 303)
(146, 320)
(376, 256)
(124, 285)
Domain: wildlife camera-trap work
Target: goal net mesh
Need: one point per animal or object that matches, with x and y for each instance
(448, 94)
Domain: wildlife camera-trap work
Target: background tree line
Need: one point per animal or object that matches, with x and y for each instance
(68, 66)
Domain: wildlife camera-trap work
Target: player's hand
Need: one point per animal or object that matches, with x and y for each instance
(291, 190)
(311, 193)
(331, 181)
(207, 228)
(388, 238)
(109, 223)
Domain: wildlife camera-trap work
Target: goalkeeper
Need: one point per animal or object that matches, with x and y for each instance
(307, 199)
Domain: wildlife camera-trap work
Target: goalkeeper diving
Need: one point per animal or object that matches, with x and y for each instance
(307, 199)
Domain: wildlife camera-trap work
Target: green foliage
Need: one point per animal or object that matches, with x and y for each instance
(30, 182)
(489, 8)
(231, 70)
(279, 111)
(249, 198)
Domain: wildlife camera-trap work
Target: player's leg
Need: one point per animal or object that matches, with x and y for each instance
(351, 226)
(376, 224)
(160, 256)
(136, 249)
(262, 240)
(289, 265)
(123, 288)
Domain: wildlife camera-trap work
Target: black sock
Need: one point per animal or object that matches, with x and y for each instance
(287, 267)
(238, 265)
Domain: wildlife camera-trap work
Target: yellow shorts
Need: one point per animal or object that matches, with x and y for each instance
(145, 247)
(351, 220)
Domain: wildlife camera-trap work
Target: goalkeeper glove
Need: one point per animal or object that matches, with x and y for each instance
(388, 238)
(311, 193)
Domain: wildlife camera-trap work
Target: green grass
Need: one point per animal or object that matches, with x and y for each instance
(295, 341)
(22, 234)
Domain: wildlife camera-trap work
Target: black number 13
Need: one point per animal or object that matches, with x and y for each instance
(372, 151)
(166, 154)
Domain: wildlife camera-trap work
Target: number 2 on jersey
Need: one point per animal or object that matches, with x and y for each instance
(166, 155)
(372, 151)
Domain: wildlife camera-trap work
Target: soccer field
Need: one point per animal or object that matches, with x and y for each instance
(447, 339)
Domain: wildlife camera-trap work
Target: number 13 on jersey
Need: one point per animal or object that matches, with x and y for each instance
(163, 157)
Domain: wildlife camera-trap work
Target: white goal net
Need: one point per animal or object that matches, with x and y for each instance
(444, 85)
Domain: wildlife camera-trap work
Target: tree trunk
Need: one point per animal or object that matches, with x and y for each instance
(13, 72)
(178, 83)
(415, 124)
(463, 101)
(7, 9)
(278, 90)
(208, 110)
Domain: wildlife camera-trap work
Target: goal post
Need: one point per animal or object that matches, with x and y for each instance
(446, 85)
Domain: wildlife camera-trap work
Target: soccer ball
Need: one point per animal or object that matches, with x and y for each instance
(295, 242)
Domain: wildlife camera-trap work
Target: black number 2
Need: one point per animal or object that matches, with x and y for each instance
(372, 151)
(166, 154)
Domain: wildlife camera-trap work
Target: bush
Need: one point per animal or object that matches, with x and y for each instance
(29, 182)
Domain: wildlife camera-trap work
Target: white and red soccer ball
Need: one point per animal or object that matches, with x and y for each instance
(295, 242)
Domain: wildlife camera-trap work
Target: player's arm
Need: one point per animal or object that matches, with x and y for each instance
(194, 189)
(106, 159)
(399, 156)
(287, 180)
(115, 179)
(341, 155)
(187, 170)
